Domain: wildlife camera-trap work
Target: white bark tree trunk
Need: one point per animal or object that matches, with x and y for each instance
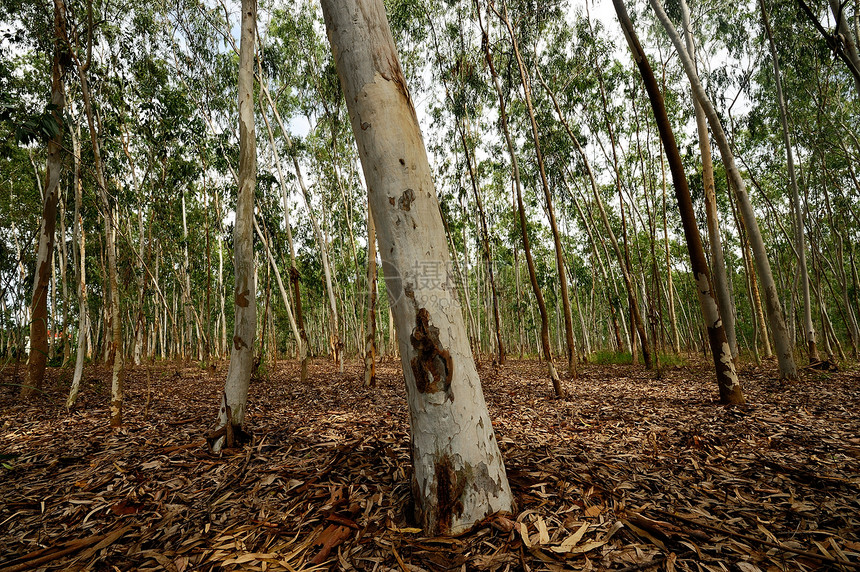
(458, 472)
(370, 335)
(231, 414)
(83, 311)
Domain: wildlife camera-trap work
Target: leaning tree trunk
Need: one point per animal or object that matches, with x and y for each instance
(784, 353)
(727, 377)
(38, 358)
(503, 118)
(848, 37)
(800, 238)
(231, 414)
(459, 476)
(721, 281)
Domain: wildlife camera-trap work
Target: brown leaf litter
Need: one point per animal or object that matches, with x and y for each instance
(633, 471)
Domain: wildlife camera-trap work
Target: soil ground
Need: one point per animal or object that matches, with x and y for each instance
(633, 471)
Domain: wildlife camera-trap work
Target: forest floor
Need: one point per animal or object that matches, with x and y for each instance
(632, 471)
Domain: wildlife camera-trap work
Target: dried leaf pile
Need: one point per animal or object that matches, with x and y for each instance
(633, 471)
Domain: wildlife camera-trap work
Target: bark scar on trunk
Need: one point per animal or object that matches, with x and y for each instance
(406, 199)
(242, 298)
(432, 365)
(449, 489)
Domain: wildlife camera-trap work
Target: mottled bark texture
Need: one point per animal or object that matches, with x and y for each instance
(231, 414)
(458, 473)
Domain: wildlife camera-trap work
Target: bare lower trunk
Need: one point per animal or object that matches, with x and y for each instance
(459, 476)
(114, 321)
(231, 413)
(83, 310)
(559, 252)
(720, 278)
(800, 238)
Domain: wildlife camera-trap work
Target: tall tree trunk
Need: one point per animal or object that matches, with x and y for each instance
(718, 263)
(299, 335)
(335, 342)
(83, 307)
(503, 117)
(670, 287)
(284, 296)
(370, 334)
(784, 353)
(459, 477)
(115, 320)
(559, 251)
(38, 358)
(231, 414)
(800, 232)
(628, 280)
(727, 378)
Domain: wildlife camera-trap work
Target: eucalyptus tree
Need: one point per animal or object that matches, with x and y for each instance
(727, 378)
(536, 137)
(463, 96)
(459, 475)
(715, 241)
(39, 306)
(231, 414)
(800, 239)
(785, 356)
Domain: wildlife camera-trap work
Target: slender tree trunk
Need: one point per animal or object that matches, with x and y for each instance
(299, 334)
(559, 252)
(83, 307)
(295, 277)
(64, 259)
(114, 321)
(718, 263)
(231, 414)
(800, 232)
(370, 335)
(335, 342)
(38, 358)
(544, 316)
(284, 296)
(485, 239)
(459, 477)
(670, 287)
(727, 378)
(785, 355)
